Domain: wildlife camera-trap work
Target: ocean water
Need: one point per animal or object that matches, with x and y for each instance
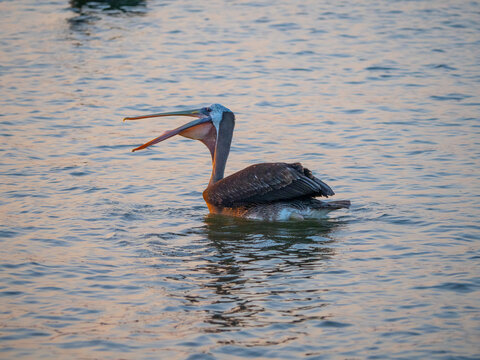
(109, 254)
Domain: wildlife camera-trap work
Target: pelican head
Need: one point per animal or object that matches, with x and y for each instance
(213, 126)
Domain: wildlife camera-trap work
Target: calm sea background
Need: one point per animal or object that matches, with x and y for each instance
(108, 254)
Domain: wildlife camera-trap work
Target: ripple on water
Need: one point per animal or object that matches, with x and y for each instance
(452, 286)
(109, 254)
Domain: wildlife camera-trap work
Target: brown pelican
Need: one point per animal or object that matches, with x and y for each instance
(267, 191)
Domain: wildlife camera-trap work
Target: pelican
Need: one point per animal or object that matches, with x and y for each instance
(267, 191)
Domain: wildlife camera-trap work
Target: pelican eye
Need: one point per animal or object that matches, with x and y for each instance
(208, 109)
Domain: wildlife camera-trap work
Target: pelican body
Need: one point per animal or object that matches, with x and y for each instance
(266, 191)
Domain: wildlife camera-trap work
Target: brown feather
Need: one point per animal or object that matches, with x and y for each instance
(266, 183)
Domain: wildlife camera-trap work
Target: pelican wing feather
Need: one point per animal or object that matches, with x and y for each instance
(264, 183)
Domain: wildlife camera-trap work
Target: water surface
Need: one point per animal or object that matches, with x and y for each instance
(108, 254)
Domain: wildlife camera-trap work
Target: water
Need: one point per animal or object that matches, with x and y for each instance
(111, 254)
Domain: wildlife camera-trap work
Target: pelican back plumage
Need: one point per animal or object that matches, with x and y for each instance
(266, 183)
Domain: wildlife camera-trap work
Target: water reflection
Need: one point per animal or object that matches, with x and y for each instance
(261, 266)
(232, 234)
(90, 12)
(122, 5)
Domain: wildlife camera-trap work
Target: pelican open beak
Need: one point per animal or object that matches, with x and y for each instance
(197, 133)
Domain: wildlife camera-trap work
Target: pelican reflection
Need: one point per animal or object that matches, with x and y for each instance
(261, 265)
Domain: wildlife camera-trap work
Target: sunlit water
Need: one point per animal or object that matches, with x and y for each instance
(110, 254)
